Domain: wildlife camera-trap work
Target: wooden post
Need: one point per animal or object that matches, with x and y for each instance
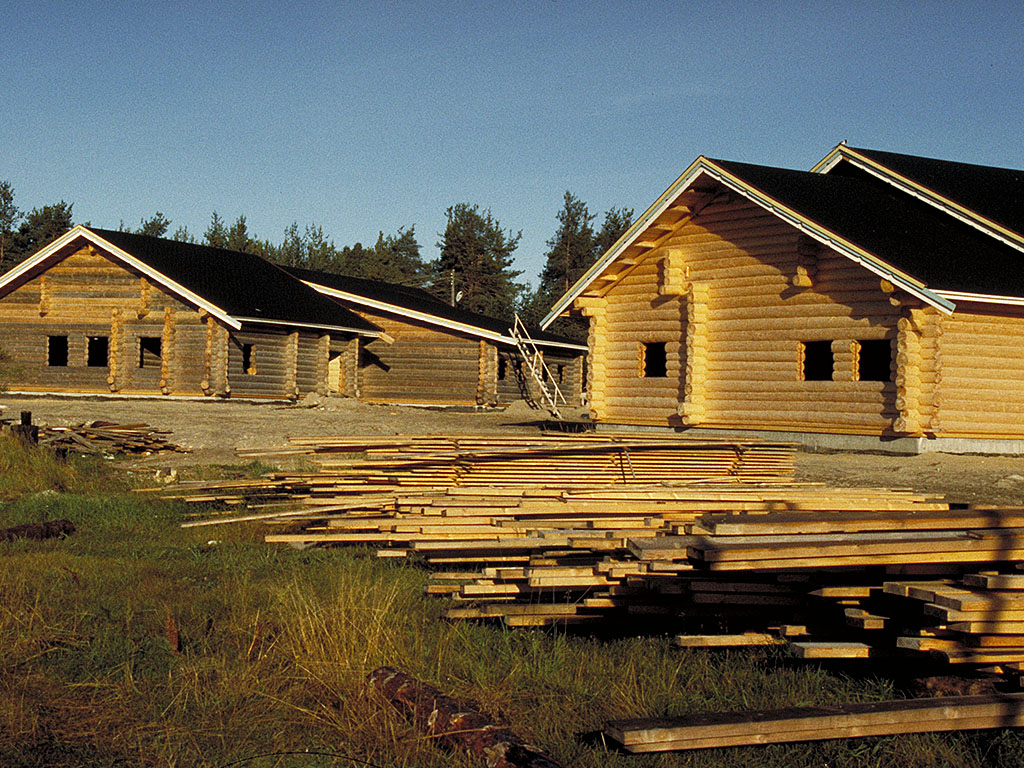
(487, 379)
(115, 355)
(323, 362)
(692, 409)
(672, 273)
(845, 360)
(351, 367)
(144, 292)
(44, 295)
(908, 373)
(206, 383)
(291, 361)
(221, 339)
(166, 351)
(597, 341)
(26, 432)
(807, 251)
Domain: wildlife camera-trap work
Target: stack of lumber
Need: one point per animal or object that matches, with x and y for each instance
(107, 438)
(828, 572)
(977, 620)
(938, 582)
(954, 713)
(540, 460)
(549, 555)
(873, 538)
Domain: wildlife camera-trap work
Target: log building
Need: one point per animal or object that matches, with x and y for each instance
(434, 353)
(875, 301)
(112, 312)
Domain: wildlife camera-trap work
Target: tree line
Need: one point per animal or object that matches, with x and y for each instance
(474, 269)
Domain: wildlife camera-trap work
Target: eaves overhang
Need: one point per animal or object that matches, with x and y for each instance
(314, 326)
(425, 317)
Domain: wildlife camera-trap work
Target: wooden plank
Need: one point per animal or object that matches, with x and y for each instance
(807, 724)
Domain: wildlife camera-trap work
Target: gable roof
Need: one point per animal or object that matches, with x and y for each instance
(232, 286)
(898, 237)
(418, 304)
(987, 197)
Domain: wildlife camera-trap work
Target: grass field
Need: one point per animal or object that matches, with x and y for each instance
(136, 643)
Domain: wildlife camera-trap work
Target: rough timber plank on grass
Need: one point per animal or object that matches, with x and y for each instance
(820, 723)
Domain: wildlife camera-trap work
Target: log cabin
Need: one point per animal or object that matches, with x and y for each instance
(435, 353)
(875, 301)
(99, 311)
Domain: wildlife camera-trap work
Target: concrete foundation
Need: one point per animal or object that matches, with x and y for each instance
(824, 441)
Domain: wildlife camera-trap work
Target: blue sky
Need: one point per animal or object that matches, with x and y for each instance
(362, 117)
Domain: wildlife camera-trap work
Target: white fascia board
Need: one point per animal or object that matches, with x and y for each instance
(628, 237)
(123, 256)
(924, 194)
(315, 326)
(983, 298)
(431, 319)
(42, 255)
(831, 240)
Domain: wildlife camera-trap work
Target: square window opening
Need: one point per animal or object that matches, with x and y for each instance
(57, 351)
(97, 351)
(149, 351)
(817, 361)
(653, 359)
(874, 360)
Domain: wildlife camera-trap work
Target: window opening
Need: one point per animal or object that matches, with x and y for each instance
(149, 351)
(653, 360)
(249, 359)
(874, 360)
(817, 361)
(97, 351)
(502, 369)
(57, 351)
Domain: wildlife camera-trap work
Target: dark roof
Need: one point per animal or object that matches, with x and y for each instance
(419, 300)
(912, 236)
(241, 284)
(996, 194)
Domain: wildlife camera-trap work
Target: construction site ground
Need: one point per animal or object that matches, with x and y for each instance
(215, 430)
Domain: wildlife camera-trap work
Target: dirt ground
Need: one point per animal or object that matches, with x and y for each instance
(214, 430)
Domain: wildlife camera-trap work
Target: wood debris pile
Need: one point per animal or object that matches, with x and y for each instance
(106, 438)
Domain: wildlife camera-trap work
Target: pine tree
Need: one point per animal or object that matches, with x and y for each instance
(616, 222)
(238, 237)
(216, 235)
(396, 259)
(156, 226)
(39, 227)
(9, 215)
(570, 250)
(476, 263)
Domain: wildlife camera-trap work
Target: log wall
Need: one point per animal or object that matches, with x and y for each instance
(423, 365)
(88, 295)
(980, 374)
(733, 294)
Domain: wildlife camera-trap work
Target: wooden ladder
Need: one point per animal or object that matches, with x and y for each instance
(538, 370)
